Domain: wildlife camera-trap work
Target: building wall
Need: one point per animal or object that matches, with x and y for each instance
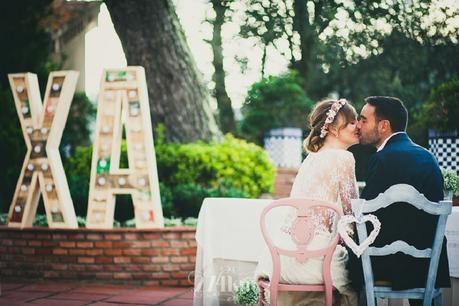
(149, 257)
(284, 182)
(74, 51)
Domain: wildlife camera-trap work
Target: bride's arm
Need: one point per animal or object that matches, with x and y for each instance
(347, 183)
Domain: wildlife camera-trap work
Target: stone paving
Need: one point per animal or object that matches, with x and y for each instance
(62, 293)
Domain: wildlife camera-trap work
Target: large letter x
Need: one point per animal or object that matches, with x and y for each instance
(42, 172)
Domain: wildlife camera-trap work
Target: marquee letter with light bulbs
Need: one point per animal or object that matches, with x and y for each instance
(42, 172)
(123, 100)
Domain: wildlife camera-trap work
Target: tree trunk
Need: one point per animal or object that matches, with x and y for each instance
(306, 32)
(226, 114)
(263, 61)
(152, 37)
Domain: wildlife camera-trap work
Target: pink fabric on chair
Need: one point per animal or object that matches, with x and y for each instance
(302, 232)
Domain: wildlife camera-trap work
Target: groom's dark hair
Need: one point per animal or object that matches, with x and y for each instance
(392, 109)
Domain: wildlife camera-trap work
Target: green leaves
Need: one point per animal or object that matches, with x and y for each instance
(188, 173)
(442, 111)
(277, 101)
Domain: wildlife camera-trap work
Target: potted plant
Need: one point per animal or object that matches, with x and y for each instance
(451, 185)
(247, 294)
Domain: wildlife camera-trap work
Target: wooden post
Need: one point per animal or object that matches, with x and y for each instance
(123, 100)
(42, 171)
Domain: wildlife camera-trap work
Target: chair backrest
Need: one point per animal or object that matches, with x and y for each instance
(302, 232)
(408, 194)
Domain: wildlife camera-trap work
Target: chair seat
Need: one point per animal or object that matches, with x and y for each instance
(294, 287)
(415, 293)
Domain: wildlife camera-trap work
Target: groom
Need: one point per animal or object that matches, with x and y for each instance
(398, 160)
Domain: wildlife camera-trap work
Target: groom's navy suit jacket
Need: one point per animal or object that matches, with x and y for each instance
(403, 162)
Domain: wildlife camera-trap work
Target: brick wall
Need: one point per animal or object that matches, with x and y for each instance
(284, 182)
(150, 257)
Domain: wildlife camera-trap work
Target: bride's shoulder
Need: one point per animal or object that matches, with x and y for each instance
(339, 155)
(336, 152)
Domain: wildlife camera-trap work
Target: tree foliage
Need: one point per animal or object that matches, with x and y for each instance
(356, 49)
(441, 112)
(276, 101)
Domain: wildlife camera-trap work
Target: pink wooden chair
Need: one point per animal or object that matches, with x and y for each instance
(302, 232)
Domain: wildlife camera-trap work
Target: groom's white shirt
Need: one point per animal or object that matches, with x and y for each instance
(387, 139)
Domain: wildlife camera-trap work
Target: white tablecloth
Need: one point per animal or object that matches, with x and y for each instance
(229, 241)
(452, 235)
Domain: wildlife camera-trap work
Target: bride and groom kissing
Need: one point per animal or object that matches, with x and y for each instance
(328, 174)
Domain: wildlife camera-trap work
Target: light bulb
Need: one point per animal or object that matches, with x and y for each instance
(29, 130)
(30, 167)
(19, 88)
(122, 181)
(101, 181)
(136, 128)
(25, 110)
(44, 131)
(141, 182)
(134, 111)
(24, 187)
(44, 166)
(37, 149)
(17, 208)
(103, 163)
(109, 95)
(56, 87)
(49, 187)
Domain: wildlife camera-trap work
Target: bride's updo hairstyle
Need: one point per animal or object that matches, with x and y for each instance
(317, 119)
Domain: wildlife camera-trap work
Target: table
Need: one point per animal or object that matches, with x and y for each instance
(452, 235)
(229, 241)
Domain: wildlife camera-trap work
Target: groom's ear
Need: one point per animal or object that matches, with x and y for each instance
(385, 126)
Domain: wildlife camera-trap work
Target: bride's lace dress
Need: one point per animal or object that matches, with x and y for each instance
(327, 175)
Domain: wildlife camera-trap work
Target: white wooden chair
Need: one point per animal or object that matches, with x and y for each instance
(408, 194)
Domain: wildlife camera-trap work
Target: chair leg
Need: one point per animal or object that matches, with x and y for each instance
(273, 296)
(362, 298)
(328, 296)
(438, 301)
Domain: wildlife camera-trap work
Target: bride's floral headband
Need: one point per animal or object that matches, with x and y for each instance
(331, 114)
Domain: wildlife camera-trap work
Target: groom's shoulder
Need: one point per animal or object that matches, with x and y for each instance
(406, 149)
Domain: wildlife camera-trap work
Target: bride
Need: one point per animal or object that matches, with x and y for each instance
(328, 174)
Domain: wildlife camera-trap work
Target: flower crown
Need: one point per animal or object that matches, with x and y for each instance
(331, 114)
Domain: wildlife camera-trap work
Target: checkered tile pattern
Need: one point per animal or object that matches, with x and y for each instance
(446, 150)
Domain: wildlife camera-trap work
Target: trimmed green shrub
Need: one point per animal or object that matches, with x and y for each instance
(188, 173)
(232, 164)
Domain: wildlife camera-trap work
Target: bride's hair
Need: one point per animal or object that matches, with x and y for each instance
(317, 117)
